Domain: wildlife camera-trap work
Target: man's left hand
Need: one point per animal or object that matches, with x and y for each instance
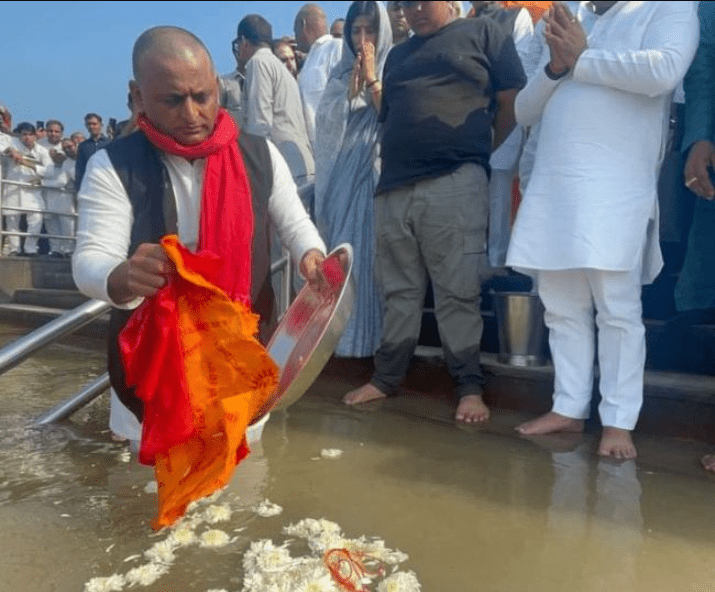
(311, 268)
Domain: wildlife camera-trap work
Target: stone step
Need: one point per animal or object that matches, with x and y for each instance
(675, 404)
(51, 280)
(689, 350)
(52, 298)
(34, 316)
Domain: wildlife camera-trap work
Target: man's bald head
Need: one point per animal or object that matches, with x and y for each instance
(175, 85)
(166, 42)
(310, 24)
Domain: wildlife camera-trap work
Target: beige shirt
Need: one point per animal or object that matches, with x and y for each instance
(272, 109)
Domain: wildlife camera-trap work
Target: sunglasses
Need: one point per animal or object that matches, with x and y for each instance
(236, 44)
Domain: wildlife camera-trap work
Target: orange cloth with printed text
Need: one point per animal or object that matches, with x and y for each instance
(192, 354)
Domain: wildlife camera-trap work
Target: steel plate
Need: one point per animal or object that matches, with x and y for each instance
(310, 329)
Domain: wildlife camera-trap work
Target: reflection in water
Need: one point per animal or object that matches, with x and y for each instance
(605, 530)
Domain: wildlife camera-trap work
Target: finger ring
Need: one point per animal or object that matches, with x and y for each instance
(689, 182)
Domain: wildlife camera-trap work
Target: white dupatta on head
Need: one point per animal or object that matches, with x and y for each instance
(346, 175)
(334, 123)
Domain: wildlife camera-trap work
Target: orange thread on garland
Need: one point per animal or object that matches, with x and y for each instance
(348, 568)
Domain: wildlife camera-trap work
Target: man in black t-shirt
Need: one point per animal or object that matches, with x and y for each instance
(448, 100)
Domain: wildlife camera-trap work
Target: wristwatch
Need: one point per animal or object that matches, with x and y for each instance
(553, 76)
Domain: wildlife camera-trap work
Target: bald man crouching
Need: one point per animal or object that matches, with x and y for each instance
(185, 170)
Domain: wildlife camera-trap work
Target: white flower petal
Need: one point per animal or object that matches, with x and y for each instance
(113, 583)
(214, 538)
(266, 509)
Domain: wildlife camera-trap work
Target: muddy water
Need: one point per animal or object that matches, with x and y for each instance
(474, 511)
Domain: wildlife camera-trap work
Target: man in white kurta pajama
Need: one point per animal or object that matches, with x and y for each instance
(587, 227)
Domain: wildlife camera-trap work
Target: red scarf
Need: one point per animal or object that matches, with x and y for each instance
(226, 219)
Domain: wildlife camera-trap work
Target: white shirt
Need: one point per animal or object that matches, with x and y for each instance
(56, 175)
(5, 142)
(24, 196)
(105, 217)
(324, 55)
(69, 166)
(272, 109)
(591, 201)
(523, 32)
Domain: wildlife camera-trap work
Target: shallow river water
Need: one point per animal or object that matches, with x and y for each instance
(473, 511)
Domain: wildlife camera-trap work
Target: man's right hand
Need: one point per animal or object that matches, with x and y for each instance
(15, 155)
(696, 174)
(564, 36)
(57, 157)
(142, 275)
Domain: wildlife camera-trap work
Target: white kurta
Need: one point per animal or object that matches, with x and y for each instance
(105, 222)
(105, 217)
(26, 197)
(5, 142)
(58, 199)
(592, 199)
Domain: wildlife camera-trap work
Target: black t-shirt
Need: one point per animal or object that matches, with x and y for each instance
(439, 100)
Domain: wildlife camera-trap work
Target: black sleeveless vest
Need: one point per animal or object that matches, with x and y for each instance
(146, 181)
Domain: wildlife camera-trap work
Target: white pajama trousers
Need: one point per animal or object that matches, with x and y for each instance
(577, 301)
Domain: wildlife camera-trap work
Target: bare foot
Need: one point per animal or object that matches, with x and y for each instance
(616, 443)
(550, 423)
(367, 392)
(471, 408)
(708, 462)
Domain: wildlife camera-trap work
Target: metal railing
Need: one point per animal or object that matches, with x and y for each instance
(68, 322)
(73, 320)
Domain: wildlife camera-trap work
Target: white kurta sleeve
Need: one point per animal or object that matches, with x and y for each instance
(532, 99)
(47, 165)
(295, 229)
(523, 33)
(656, 67)
(103, 229)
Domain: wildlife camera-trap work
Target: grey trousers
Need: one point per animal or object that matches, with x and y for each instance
(436, 227)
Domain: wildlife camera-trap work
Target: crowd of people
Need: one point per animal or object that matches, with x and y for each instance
(413, 131)
(48, 166)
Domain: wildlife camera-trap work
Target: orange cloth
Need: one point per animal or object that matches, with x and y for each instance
(536, 9)
(226, 373)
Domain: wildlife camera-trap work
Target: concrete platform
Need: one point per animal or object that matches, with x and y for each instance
(675, 405)
(679, 404)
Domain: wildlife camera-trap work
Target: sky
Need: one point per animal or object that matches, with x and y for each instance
(60, 60)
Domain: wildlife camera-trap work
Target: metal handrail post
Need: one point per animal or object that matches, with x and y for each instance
(282, 265)
(287, 284)
(2, 195)
(11, 355)
(82, 398)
